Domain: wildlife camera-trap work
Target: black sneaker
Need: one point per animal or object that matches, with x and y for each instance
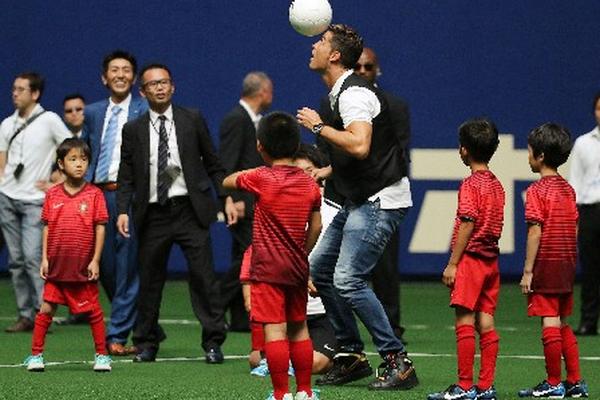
(347, 367)
(395, 373)
(576, 390)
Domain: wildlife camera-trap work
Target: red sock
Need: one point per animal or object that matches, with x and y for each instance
(488, 347)
(552, 340)
(40, 328)
(465, 350)
(257, 335)
(301, 354)
(96, 318)
(570, 352)
(278, 358)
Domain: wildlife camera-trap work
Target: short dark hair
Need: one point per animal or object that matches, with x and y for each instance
(119, 54)
(348, 42)
(70, 144)
(279, 134)
(150, 66)
(36, 82)
(73, 96)
(480, 137)
(552, 140)
(311, 153)
(596, 98)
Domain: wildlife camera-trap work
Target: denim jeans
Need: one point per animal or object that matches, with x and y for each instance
(22, 228)
(341, 266)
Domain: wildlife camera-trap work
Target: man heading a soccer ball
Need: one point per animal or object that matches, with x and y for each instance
(368, 171)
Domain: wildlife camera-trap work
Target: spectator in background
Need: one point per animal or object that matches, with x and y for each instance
(237, 151)
(28, 141)
(73, 107)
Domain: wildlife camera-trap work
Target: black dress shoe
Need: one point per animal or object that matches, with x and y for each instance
(214, 355)
(586, 330)
(146, 355)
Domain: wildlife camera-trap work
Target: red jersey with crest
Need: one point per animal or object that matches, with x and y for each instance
(481, 200)
(71, 221)
(551, 203)
(285, 199)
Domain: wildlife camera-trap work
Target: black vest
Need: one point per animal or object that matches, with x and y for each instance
(355, 179)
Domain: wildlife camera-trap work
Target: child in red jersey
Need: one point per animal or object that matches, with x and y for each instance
(472, 271)
(551, 256)
(288, 200)
(74, 214)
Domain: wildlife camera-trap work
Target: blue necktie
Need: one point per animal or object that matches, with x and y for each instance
(108, 144)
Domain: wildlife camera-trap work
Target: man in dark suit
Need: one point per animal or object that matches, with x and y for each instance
(167, 165)
(102, 130)
(237, 151)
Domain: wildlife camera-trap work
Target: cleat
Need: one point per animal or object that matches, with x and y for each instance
(35, 363)
(397, 373)
(454, 392)
(544, 390)
(576, 390)
(262, 369)
(316, 395)
(287, 396)
(488, 394)
(102, 363)
(347, 367)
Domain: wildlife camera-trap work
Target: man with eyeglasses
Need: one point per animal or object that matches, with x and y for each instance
(167, 166)
(102, 130)
(28, 141)
(73, 106)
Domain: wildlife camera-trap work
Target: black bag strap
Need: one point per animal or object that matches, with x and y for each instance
(22, 127)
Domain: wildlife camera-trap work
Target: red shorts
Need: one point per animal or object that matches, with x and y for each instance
(549, 305)
(80, 297)
(477, 284)
(275, 304)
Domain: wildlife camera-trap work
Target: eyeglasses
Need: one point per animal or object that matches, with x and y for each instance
(154, 84)
(367, 67)
(72, 110)
(19, 89)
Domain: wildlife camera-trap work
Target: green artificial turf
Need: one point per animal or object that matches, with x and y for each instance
(182, 373)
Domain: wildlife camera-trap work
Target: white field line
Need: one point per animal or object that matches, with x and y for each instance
(244, 356)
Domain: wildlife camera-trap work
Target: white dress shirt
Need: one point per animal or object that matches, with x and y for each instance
(113, 169)
(253, 116)
(585, 167)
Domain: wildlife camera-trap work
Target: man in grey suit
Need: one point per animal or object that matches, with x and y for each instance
(102, 130)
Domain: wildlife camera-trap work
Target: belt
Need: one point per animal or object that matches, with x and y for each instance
(108, 186)
(173, 201)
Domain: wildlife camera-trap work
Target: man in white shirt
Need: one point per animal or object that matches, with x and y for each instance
(585, 179)
(28, 142)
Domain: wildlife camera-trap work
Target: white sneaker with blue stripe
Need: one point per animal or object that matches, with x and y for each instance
(35, 363)
(102, 363)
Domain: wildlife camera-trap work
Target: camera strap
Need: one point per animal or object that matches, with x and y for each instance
(22, 128)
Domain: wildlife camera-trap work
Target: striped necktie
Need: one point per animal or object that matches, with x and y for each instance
(107, 147)
(163, 180)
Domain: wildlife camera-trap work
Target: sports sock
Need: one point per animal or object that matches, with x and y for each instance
(465, 351)
(40, 328)
(552, 340)
(301, 354)
(257, 334)
(488, 348)
(96, 318)
(278, 357)
(570, 352)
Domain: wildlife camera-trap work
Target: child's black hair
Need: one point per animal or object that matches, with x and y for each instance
(480, 137)
(72, 143)
(311, 153)
(279, 135)
(553, 140)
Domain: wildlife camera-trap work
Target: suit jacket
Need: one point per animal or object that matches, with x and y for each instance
(237, 149)
(199, 162)
(94, 123)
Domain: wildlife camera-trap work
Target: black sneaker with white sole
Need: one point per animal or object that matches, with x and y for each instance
(347, 367)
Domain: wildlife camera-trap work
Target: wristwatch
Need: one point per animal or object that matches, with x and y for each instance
(316, 129)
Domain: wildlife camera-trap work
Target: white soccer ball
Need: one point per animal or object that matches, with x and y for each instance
(310, 17)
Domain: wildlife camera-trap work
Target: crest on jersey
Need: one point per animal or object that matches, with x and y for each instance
(83, 206)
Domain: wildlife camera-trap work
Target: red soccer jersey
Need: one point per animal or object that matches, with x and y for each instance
(481, 199)
(72, 221)
(285, 199)
(551, 203)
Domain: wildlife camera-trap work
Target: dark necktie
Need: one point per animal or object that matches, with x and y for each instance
(163, 180)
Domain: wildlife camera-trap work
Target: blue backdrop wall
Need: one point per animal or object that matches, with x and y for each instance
(520, 62)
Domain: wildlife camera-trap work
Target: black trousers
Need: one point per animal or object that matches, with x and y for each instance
(232, 298)
(386, 283)
(164, 226)
(589, 256)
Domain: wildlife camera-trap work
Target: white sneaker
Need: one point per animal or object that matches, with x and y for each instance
(287, 396)
(102, 363)
(35, 363)
(316, 395)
